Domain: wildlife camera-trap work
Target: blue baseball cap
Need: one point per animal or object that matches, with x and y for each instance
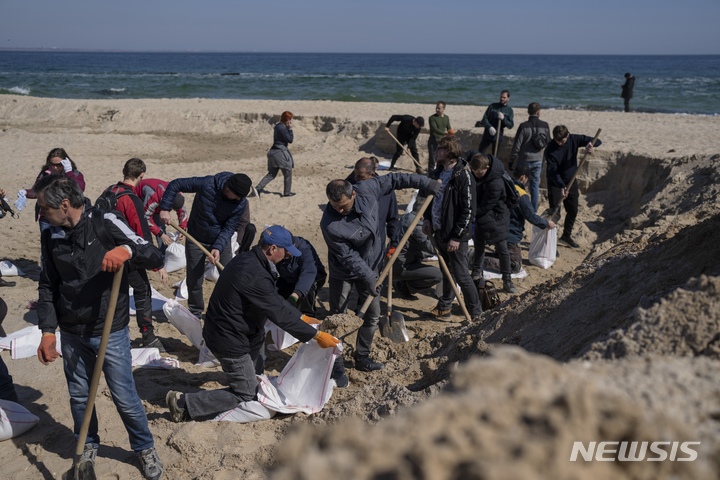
(280, 237)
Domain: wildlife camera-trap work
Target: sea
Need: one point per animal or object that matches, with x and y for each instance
(688, 84)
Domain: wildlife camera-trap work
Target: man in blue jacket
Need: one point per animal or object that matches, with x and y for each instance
(561, 157)
(352, 230)
(217, 210)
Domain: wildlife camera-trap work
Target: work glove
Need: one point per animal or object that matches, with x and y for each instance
(325, 340)
(500, 115)
(310, 320)
(390, 252)
(46, 351)
(435, 187)
(492, 131)
(67, 166)
(115, 258)
(451, 131)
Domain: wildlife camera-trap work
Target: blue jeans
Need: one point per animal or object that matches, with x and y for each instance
(79, 356)
(534, 183)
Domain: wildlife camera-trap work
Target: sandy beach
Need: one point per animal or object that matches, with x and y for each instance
(618, 341)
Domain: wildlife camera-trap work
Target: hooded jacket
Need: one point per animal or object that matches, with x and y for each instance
(523, 211)
(458, 203)
(493, 215)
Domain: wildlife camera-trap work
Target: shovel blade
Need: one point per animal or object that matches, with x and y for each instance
(552, 214)
(398, 333)
(384, 324)
(81, 471)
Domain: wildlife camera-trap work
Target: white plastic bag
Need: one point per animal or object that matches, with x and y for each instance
(8, 269)
(280, 338)
(211, 272)
(182, 291)
(175, 257)
(14, 420)
(190, 326)
(543, 247)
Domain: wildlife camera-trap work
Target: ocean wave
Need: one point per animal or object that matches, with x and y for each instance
(112, 91)
(16, 90)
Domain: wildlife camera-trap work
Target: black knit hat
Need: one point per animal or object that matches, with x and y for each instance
(239, 184)
(420, 121)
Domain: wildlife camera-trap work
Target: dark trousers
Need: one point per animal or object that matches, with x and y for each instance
(492, 263)
(432, 145)
(306, 303)
(626, 101)
(419, 277)
(412, 146)
(245, 241)
(457, 263)
(570, 204)
(142, 295)
(195, 272)
(339, 291)
(7, 388)
(488, 140)
(272, 173)
(501, 248)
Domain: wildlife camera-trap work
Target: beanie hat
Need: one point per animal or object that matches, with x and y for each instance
(239, 184)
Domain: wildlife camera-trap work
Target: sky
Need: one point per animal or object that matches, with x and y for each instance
(633, 27)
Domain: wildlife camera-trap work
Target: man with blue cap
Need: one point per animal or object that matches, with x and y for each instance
(234, 330)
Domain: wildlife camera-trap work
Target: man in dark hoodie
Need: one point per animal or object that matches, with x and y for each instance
(492, 217)
(627, 90)
(407, 133)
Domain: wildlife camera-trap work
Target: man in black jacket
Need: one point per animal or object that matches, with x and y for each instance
(407, 133)
(74, 293)
(562, 163)
(627, 90)
(234, 331)
(532, 136)
(449, 218)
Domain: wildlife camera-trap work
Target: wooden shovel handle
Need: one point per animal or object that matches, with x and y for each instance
(197, 244)
(582, 162)
(450, 279)
(417, 164)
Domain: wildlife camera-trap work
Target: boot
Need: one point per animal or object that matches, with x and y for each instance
(508, 285)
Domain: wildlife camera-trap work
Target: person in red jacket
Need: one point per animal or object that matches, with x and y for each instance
(151, 191)
(131, 207)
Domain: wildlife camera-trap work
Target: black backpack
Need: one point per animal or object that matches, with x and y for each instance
(538, 139)
(105, 203)
(512, 199)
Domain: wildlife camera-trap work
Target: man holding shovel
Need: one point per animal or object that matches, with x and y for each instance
(407, 132)
(74, 292)
(217, 210)
(356, 246)
(498, 116)
(562, 163)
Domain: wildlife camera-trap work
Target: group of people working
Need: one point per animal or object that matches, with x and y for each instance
(277, 279)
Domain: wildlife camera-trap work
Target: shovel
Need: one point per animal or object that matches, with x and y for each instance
(497, 138)
(417, 164)
(554, 213)
(197, 244)
(449, 278)
(393, 326)
(86, 470)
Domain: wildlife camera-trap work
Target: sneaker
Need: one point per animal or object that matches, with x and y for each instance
(509, 286)
(291, 194)
(152, 467)
(5, 283)
(89, 454)
(338, 373)
(177, 413)
(568, 241)
(365, 364)
(438, 312)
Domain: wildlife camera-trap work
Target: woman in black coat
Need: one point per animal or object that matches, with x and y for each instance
(279, 157)
(492, 216)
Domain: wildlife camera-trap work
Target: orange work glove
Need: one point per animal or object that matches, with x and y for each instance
(115, 258)
(325, 340)
(310, 320)
(390, 252)
(451, 132)
(46, 351)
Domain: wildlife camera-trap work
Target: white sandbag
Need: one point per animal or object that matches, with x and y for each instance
(411, 203)
(24, 343)
(211, 272)
(543, 247)
(6, 341)
(246, 412)
(280, 338)
(234, 244)
(182, 291)
(187, 323)
(8, 269)
(304, 385)
(488, 275)
(150, 358)
(158, 300)
(14, 420)
(206, 357)
(175, 257)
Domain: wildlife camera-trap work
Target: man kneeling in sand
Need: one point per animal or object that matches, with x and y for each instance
(234, 331)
